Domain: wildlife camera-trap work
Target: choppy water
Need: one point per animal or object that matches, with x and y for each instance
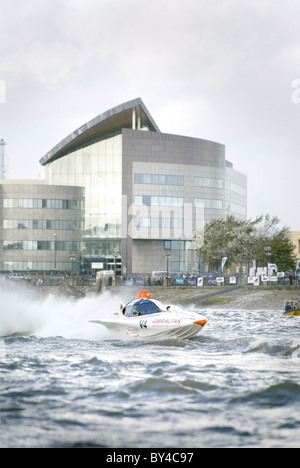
(66, 383)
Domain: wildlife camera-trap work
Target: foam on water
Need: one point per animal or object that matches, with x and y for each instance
(67, 383)
(25, 313)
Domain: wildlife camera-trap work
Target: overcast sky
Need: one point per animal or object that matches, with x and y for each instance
(222, 70)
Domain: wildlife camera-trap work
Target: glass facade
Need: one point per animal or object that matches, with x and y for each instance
(235, 193)
(159, 223)
(239, 189)
(178, 251)
(141, 188)
(35, 203)
(98, 168)
(237, 210)
(158, 179)
(42, 224)
(208, 203)
(174, 245)
(42, 245)
(158, 201)
(36, 266)
(208, 182)
(41, 227)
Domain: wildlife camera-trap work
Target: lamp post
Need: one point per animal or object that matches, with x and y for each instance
(72, 258)
(116, 254)
(125, 269)
(168, 254)
(268, 253)
(179, 248)
(54, 251)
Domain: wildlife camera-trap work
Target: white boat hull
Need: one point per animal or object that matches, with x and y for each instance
(160, 326)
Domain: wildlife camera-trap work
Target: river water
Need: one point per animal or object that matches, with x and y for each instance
(68, 383)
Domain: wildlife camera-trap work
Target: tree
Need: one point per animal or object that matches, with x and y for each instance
(278, 239)
(282, 252)
(231, 237)
(243, 241)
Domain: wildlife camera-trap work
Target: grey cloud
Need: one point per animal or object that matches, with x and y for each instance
(214, 69)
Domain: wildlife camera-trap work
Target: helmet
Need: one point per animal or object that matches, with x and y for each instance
(144, 295)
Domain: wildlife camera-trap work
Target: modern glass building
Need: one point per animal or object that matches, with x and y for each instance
(145, 191)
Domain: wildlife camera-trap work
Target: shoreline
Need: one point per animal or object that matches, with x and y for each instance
(267, 298)
(225, 297)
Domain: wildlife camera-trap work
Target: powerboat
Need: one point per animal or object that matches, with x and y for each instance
(148, 318)
(292, 307)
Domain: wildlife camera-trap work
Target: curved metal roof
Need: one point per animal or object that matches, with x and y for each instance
(112, 120)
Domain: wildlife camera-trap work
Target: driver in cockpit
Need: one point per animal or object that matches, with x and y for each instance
(141, 307)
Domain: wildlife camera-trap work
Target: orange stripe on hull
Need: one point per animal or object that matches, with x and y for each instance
(201, 322)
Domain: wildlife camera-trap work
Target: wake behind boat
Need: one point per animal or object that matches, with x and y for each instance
(148, 318)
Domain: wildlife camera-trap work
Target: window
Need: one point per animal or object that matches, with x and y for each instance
(157, 201)
(43, 203)
(237, 189)
(173, 223)
(208, 182)
(34, 266)
(174, 245)
(42, 224)
(158, 179)
(41, 245)
(234, 208)
(208, 203)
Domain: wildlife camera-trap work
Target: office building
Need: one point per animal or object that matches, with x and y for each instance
(41, 226)
(145, 191)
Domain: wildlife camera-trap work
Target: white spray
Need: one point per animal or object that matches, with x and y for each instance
(24, 312)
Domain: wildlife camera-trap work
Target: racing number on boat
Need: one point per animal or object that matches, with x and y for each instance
(143, 323)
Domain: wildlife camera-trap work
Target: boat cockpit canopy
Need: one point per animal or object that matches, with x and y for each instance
(142, 307)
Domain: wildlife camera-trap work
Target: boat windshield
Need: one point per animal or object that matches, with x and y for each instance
(142, 307)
